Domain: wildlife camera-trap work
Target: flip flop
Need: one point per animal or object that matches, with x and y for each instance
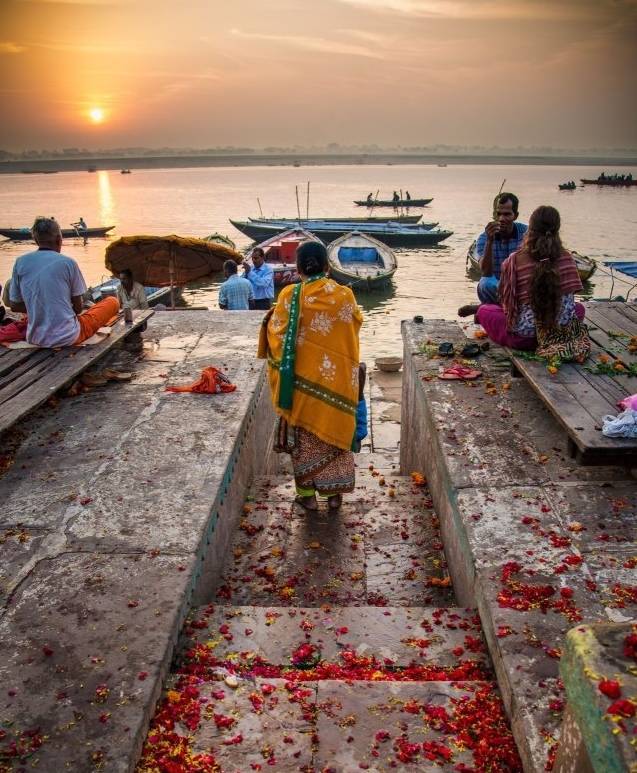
(471, 350)
(304, 502)
(459, 373)
(446, 349)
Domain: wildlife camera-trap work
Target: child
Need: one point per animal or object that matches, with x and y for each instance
(361, 410)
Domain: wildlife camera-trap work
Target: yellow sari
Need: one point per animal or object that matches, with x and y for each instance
(310, 340)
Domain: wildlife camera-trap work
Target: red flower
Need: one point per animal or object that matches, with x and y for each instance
(382, 736)
(610, 688)
(566, 593)
(623, 708)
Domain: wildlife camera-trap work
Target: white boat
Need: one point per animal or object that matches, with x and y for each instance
(360, 261)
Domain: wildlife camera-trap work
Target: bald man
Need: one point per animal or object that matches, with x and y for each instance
(48, 287)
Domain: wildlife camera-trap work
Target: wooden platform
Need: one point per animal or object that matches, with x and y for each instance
(580, 399)
(28, 377)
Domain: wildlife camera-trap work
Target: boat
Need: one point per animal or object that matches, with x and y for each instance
(92, 169)
(370, 219)
(586, 266)
(280, 253)
(442, 165)
(220, 239)
(154, 295)
(391, 203)
(360, 261)
(125, 171)
(39, 171)
(612, 182)
(346, 225)
(24, 234)
(570, 186)
(392, 234)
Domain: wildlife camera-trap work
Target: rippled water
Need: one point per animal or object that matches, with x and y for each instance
(601, 223)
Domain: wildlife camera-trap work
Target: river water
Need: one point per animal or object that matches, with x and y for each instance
(600, 222)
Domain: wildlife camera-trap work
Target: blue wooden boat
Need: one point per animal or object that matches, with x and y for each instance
(361, 262)
(24, 234)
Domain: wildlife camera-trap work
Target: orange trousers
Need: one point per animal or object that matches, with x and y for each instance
(96, 317)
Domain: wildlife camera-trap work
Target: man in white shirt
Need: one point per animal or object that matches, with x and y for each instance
(48, 287)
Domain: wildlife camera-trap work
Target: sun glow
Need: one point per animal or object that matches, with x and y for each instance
(96, 114)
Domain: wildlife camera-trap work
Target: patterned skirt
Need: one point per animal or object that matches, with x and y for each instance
(327, 469)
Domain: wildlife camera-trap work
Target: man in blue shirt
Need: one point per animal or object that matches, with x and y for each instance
(500, 238)
(261, 277)
(236, 292)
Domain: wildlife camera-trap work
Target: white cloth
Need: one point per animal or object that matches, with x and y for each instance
(623, 425)
(45, 281)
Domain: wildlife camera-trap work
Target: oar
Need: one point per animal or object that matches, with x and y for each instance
(298, 207)
(307, 205)
(260, 210)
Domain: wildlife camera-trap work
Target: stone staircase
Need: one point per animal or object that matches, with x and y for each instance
(333, 643)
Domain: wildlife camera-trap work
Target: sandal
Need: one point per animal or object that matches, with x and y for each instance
(459, 373)
(307, 503)
(335, 501)
(471, 350)
(446, 349)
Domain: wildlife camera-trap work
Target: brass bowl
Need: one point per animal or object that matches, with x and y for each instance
(389, 364)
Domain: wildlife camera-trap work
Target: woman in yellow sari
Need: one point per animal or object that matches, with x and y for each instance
(310, 340)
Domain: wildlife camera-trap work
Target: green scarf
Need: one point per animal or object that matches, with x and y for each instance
(286, 369)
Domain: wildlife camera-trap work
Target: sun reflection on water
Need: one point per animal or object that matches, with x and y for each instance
(106, 202)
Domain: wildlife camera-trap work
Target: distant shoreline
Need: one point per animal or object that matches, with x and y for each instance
(181, 162)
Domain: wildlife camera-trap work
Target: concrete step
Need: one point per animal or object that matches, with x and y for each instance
(397, 637)
(334, 726)
(381, 548)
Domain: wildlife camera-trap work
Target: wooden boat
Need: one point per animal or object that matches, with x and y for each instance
(392, 234)
(154, 295)
(610, 182)
(405, 203)
(24, 234)
(221, 239)
(586, 266)
(280, 253)
(360, 261)
(125, 171)
(567, 186)
(371, 219)
(39, 171)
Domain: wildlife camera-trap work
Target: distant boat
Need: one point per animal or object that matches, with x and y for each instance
(92, 169)
(39, 171)
(370, 219)
(442, 165)
(611, 182)
(391, 203)
(24, 234)
(280, 253)
(125, 171)
(586, 266)
(392, 234)
(360, 261)
(570, 186)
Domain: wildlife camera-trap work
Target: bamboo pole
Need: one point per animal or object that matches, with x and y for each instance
(260, 210)
(298, 206)
(307, 205)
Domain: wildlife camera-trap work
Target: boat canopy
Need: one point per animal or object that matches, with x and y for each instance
(358, 255)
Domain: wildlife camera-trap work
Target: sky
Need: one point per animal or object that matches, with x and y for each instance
(207, 73)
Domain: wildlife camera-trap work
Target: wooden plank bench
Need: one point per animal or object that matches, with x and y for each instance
(28, 377)
(579, 399)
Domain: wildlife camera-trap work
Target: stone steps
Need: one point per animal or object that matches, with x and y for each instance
(334, 643)
(382, 548)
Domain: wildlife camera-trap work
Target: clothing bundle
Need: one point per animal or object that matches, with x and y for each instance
(623, 425)
(211, 381)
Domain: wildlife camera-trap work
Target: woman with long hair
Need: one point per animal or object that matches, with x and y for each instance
(537, 295)
(310, 340)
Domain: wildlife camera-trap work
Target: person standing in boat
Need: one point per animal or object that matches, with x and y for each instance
(500, 238)
(261, 277)
(131, 293)
(395, 198)
(407, 196)
(48, 287)
(370, 199)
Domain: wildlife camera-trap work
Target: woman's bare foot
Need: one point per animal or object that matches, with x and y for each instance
(468, 310)
(335, 501)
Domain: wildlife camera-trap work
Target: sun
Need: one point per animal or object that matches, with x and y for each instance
(96, 114)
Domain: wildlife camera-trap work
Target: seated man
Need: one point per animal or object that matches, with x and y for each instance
(130, 292)
(501, 237)
(48, 287)
(236, 292)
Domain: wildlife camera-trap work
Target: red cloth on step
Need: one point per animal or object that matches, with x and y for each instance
(211, 381)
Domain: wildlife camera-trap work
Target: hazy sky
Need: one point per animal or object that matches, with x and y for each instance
(203, 73)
